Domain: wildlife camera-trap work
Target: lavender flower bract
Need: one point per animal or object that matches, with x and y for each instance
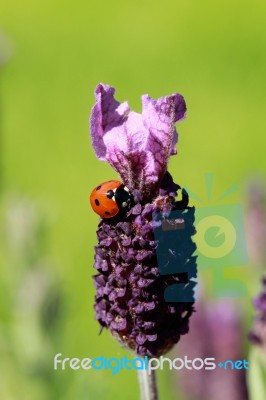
(137, 146)
(130, 290)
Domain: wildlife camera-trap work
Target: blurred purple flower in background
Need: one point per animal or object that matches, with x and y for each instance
(215, 331)
(129, 288)
(258, 333)
(256, 223)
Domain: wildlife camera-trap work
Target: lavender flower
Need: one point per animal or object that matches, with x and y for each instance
(130, 290)
(258, 333)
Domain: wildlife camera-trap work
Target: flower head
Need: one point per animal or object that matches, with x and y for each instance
(130, 288)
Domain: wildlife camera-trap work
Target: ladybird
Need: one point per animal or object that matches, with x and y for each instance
(109, 198)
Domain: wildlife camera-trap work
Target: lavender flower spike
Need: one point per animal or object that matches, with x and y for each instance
(130, 288)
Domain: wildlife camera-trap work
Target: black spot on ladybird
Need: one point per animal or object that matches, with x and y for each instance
(98, 187)
(106, 213)
(97, 202)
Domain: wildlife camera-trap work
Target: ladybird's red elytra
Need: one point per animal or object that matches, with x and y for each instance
(109, 198)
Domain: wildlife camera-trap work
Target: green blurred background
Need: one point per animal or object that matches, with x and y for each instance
(213, 53)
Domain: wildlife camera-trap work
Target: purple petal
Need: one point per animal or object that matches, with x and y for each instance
(141, 338)
(106, 114)
(119, 324)
(152, 338)
(136, 210)
(159, 117)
